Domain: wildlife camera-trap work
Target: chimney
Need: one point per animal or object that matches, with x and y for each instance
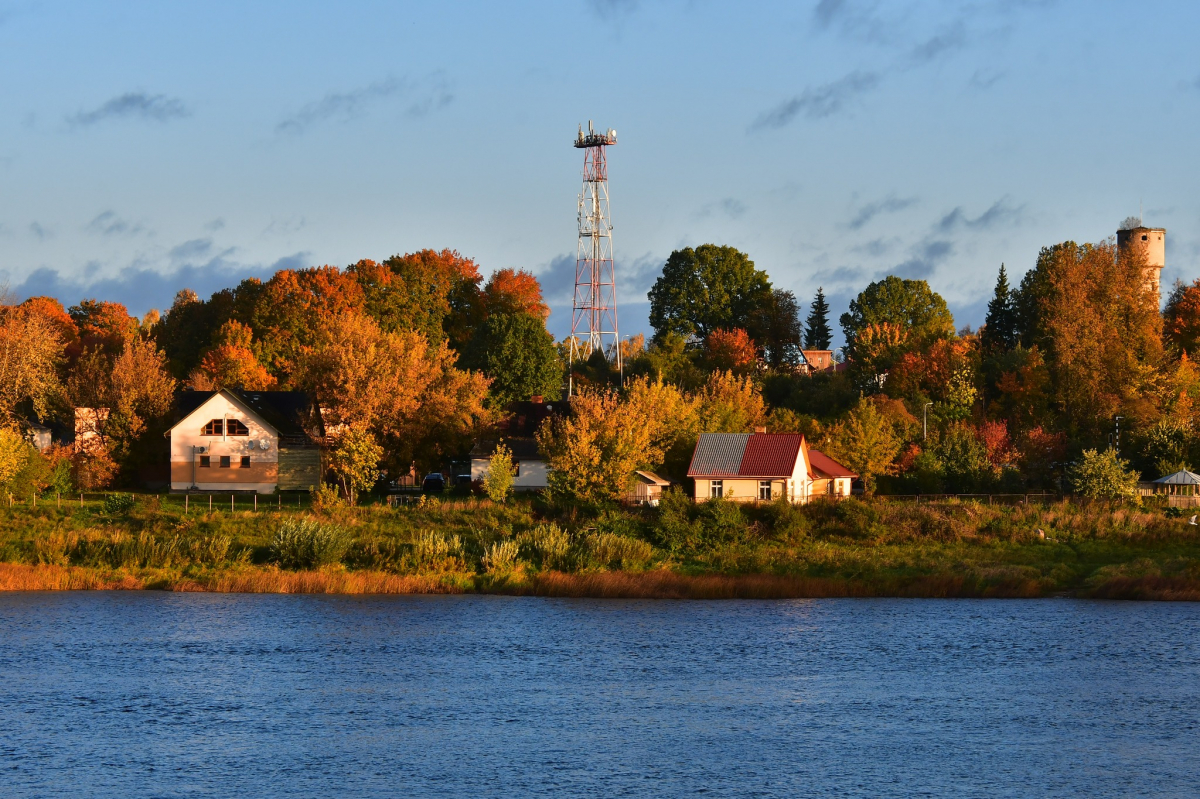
(760, 429)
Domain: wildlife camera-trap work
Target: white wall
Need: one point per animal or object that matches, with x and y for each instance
(531, 475)
(186, 434)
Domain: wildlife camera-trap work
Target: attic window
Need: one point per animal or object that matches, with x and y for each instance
(236, 428)
(214, 428)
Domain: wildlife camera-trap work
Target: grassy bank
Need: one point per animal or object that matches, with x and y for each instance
(852, 548)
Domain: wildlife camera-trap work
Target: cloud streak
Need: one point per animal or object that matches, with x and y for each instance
(430, 95)
(888, 205)
(132, 105)
(818, 102)
(109, 224)
(1001, 212)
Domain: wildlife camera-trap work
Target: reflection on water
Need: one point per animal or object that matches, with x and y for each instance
(144, 694)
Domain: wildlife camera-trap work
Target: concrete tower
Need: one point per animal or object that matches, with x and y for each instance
(1152, 243)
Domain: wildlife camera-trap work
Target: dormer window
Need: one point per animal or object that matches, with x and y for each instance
(235, 428)
(214, 428)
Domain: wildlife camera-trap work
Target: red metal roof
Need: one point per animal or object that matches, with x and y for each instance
(771, 455)
(827, 466)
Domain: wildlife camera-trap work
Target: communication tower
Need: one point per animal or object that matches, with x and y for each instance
(594, 309)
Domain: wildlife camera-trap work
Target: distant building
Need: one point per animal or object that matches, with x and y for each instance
(1151, 243)
(530, 470)
(231, 440)
(762, 467)
(818, 360)
(647, 488)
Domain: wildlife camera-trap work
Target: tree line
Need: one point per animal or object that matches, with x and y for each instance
(417, 356)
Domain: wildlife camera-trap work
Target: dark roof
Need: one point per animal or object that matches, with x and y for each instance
(286, 411)
(522, 419)
(827, 466)
(771, 455)
(523, 449)
(718, 454)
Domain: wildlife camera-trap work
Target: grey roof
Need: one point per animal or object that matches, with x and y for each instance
(1183, 478)
(652, 478)
(718, 454)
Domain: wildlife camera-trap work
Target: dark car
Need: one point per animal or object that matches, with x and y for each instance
(433, 483)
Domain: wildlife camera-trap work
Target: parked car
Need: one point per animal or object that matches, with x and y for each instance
(433, 483)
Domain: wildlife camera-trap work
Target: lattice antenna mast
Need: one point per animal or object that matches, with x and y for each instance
(594, 310)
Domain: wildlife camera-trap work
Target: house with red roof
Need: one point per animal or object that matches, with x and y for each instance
(754, 467)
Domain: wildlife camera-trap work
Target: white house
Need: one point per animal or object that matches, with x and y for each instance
(761, 467)
(530, 468)
(231, 440)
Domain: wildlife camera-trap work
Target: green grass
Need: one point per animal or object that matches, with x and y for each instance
(858, 548)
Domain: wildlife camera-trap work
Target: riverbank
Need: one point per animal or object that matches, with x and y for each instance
(849, 549)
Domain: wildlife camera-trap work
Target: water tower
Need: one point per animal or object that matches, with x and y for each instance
(1151, 243)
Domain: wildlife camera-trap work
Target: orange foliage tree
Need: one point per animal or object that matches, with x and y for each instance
(730, 351)
(433, 292)
(1181, 317)
(293, 305)
(510, 291)
(102, 325)
(398, 385)
(232, 363)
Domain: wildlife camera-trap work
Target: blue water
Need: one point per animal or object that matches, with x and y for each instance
(148, 694)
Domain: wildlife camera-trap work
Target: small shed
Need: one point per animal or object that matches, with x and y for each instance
(1180, 484)
(647, 488)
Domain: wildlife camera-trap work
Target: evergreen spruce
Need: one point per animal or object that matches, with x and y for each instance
(817, 333)
(1000, 327)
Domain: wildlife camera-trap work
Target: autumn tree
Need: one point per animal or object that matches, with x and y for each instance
(294, 304)
(909, 305)
(30, 352)
(865, 441)
(518, 355)
(498, 481)
(707, 288)
(1096, 315)
(1103, 475)
(730, 351)
(232, 363)
(818, 335)
(405, 390)
(354, 460)
(731, 404)
(514, 291)
(1181, 317)
(105, 326)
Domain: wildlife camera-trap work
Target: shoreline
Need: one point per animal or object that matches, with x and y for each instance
(656, 584)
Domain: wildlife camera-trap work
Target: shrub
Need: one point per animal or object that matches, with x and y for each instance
(721, 521)
(617, 551)
(306, 544)
(500, 557)
(676, 530)
(548, 544)
(1103, 475)
(435, 552)
(498, 481)
(118, 504)
(325, 498)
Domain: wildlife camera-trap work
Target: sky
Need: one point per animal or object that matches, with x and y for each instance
(149, 147)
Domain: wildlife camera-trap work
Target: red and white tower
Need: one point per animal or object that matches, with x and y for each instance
(594, 311)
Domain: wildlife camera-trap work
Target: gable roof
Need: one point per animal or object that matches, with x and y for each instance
(522, 449)
(284, 411)
(652, 479)
(771, 455)
(826, 466)
(718, 454)
(746, 454)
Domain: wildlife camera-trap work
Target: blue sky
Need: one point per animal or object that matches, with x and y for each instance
(150, 146)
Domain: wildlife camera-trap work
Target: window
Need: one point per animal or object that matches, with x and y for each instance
(716, 489)
(224, 461)
(764, 489)
(204, 462)
(235, 428)
(214, 428)
(245, 461)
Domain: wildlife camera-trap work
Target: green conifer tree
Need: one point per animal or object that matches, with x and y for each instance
(817, 333)
(1000, 327)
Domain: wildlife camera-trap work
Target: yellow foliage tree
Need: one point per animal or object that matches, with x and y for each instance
(30, 352)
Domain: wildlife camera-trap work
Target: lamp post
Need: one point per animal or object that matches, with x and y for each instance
(1117, 433)
(925, 422)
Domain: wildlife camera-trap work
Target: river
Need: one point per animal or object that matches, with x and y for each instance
(146, 694)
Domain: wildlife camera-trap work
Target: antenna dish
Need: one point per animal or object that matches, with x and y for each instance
(264, 443)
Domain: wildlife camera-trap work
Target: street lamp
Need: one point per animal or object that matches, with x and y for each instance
(925, 422)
